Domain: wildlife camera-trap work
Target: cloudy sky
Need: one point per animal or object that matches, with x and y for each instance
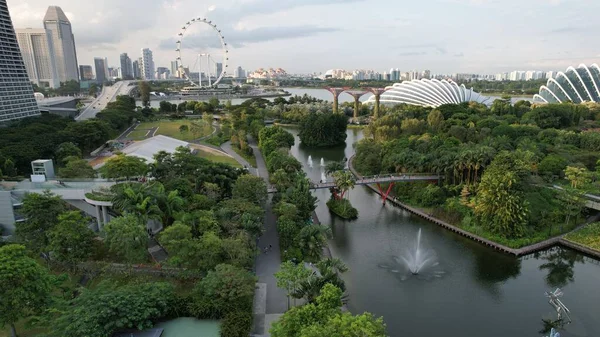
(301, 36)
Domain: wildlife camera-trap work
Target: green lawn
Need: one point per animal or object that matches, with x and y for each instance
(138, 134)
(171, 129)
(588, 236)
(217, 158)
(250, 158)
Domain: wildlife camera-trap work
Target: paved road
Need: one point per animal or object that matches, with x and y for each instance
(108, 94)
(227, 148)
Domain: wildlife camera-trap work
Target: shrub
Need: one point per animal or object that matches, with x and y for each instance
(342, 208)
(236, 324)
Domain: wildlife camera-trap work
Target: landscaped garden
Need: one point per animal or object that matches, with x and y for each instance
(588, 236)
(183, 129)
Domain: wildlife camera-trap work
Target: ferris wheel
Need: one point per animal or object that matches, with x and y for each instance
(203, 63)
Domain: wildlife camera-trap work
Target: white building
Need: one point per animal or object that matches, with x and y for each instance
(38, 55)
(63, 43)
(550, 74)
(147, 64)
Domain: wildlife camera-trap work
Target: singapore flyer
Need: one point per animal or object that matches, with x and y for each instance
(202, 53)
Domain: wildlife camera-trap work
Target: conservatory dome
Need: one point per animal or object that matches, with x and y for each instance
(429, 93)
(574, 85)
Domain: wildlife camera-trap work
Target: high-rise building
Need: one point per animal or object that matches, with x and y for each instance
(16, 94)
(162, 73)
(174, 68)
(126, 67)
(218, 69)
(147, 64)
(550, 74)
(86, 73)
(63, 43)
(239, 73)
(136, 69)
(101, 68)
(38, 55)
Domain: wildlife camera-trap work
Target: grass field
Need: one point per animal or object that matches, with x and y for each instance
(216, 156)
(171, 129)
(588, 236)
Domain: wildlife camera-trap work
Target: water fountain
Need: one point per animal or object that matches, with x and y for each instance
(415, 260)
(310, 162)
(323, 177)
(322, 162)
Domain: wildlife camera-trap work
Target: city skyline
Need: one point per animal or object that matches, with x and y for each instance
(266, 34)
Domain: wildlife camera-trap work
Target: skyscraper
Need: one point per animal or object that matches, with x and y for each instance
(136, 69)
(218, 69)
(147, 64)
(101, 69)
(63, 43)
(16, 94)
(38, 56)
(126, 67)
(239, 73)
(174, 68)
(86, 73)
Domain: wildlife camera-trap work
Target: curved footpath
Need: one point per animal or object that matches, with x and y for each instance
(559, 240)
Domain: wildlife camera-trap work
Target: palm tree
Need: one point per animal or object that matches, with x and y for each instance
(327, 271)
(344, 181)
(136, 199)
(311, 241)
(333, 167)
(170, 204)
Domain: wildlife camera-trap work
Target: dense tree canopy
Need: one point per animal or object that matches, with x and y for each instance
(322, 130)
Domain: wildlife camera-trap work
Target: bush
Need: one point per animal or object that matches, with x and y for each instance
(431, 195)
(342, 208)
(237, 324)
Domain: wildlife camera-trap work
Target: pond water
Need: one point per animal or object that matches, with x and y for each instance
(190, 327)
(469, 290)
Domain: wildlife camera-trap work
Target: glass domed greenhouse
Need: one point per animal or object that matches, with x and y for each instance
(574, 85)
(430, 93)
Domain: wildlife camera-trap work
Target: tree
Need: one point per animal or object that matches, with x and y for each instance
(123, 166)
(126, 237)
(325, 318)
(139, 200)
(66, 150)
(111, 306)
(71, 240)
(24, 284)
(183, 128)
(333, 167)
(344, 181)
(323, 130)
(144, 89)
(76, 168)
(435, 120)
(500, 203)
(251, 188)
(552, 166)
(41, 212)
(329, 273)
(290, 276)
(223, 290)
(311, 240)
(578, 176)
(9, 168)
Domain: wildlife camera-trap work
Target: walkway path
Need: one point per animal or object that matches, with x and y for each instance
(229, 150)
(266, 265)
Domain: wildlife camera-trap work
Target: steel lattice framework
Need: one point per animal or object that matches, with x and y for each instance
(181, 35)
(575, 85)
(428, 92)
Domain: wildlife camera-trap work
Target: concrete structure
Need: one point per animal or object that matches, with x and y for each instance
(336, 94)
(9, 211)
(175, 69)
(101, 67)
(86, 73)
(577, 85)
(430, 93)
(136, 69)
(62, 106)
(356, 94)
(63, 43)
(43, 167)
(16, 94)
(377, 94)
(38, 55)
(147, 64)
(126, 67)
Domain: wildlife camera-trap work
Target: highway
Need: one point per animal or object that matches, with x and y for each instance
(108, 94)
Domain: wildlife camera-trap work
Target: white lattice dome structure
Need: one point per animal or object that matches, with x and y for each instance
(429, 93)
(575, 85)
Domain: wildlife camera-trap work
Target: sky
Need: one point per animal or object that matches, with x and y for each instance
(305, 36)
